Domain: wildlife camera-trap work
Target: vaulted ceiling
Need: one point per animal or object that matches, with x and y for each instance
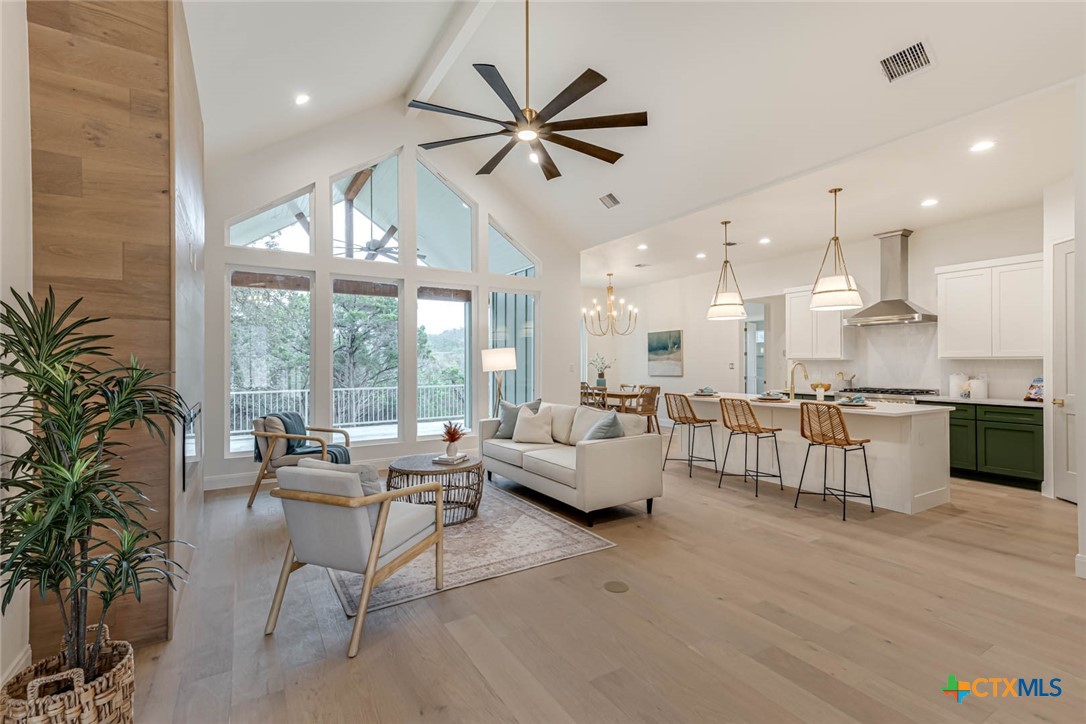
(740, 95)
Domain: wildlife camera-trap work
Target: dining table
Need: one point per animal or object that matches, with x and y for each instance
(626, 400)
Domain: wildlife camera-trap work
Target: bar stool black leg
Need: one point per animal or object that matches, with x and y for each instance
(712, 442)
(669, 439)
(780, 473)
(757, 462)
(867, 472)
(727, 449)
(844, 484)
(825, 469)
(799, 486)
(746, 452)
(690, 451)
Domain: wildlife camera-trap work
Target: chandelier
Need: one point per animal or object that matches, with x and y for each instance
(601, 321)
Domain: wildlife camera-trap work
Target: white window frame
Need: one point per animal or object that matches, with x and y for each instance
(466, 199)
(332, 180)
(536, 264)
(309, 189)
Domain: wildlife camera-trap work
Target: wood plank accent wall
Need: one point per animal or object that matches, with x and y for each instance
(100, 129)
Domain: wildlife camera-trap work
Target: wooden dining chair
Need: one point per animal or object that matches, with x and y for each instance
(586, 394)
(597, 397)
(681, 412)
(647, 406)
(822, 424)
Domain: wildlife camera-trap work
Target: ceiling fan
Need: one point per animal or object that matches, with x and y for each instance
(377, 246)
(533, 127)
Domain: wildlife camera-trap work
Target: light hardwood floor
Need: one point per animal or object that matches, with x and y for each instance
(739, 609)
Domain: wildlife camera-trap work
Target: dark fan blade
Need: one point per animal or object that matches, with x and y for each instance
(497, 84)
(387, 237)
(497, 158)
(589, 149)
(545, 161)
(451, 141)
(423, 106)
(575, 91)
(619, 120)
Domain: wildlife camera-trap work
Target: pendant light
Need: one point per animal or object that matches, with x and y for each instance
(836, 292)
(727, 302)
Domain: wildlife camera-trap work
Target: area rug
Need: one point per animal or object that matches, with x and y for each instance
(509, 535)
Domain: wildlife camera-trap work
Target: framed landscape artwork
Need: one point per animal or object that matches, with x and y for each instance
(666, 353)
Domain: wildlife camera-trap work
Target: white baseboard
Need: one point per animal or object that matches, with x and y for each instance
(245, 480)
(1080, 565)
(17, 665)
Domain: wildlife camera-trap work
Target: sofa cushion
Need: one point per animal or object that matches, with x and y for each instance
(533, 426)
(507, 416)
(561, 421)
(557, 463)
(586, 417)
(607, 428)
(510, 452)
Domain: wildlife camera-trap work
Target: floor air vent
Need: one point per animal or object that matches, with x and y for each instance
(610, 201)
(905, 62)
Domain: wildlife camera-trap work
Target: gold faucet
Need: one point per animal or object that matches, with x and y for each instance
(792, 379)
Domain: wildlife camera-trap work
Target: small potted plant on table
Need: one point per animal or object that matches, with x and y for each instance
(72, 526)
(601, 365)
(452, 434)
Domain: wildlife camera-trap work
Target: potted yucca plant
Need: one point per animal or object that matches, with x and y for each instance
(72, 527)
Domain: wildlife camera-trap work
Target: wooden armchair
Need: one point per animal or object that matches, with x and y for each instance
(333, 523)
(271, 438)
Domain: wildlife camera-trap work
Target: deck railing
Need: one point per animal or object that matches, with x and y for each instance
(352, 407)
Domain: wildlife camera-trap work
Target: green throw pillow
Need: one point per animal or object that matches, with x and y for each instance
(508, 413)
(607, 428)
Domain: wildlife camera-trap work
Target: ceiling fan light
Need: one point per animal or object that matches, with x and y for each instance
(533, 157)
(527, 134)
(836, 293)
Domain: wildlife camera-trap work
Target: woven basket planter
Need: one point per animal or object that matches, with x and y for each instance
(106, 700)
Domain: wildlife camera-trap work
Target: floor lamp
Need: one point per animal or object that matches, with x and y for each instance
(499, 360)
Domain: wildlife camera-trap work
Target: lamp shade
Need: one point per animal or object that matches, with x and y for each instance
(499, 359)
(727, 305)
(836, 293)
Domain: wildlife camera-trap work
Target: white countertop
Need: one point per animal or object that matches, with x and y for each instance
(881, 409)
(991, 401)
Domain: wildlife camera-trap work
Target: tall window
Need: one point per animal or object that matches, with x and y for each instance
(444, 224)
(505, 257)
(444, 351)
(283, 227)
(365, 212)
(366, 358)
(269, 350)
(512, 324)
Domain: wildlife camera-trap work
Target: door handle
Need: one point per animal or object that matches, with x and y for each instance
(1057, 401)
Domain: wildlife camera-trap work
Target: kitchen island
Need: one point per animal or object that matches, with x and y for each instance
(909, 452)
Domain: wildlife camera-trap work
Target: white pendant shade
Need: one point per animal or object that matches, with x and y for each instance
(836, 293)
(727, 305)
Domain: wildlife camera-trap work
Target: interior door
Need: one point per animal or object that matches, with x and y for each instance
(1060, 390)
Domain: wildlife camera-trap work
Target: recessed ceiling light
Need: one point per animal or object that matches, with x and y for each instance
(533, 157)
(981, 146)
(642, 247)
(301, 99)
(764, 240)
(929, 202)
(701, 255)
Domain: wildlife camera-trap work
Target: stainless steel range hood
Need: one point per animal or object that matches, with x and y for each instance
(892, 307)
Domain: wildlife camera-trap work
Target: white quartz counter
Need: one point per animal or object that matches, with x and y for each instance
(881, 409)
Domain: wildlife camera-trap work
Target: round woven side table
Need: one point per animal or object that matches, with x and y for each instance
(461, 484)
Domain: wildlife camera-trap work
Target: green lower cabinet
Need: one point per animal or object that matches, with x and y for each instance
(1006, 448)
(963, 444)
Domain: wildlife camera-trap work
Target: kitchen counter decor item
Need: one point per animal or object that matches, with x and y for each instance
(959, 385)
(1036, 392)
(978, 388)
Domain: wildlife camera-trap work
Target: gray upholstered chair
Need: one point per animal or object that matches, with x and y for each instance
(271, 435)
(335, 523)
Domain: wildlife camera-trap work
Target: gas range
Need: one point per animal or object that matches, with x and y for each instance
(907, 395)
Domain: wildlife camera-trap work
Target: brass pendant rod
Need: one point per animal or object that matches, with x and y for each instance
(527, 56)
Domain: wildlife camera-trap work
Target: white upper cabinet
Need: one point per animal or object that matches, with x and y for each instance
(811, 335)
(991, 308)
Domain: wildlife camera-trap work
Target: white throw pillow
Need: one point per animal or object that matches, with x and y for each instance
(367, 474)
(533, 426)
(561, 421)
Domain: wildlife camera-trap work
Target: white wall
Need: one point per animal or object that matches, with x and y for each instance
(15, 254)
(889, 356)
(241, 184)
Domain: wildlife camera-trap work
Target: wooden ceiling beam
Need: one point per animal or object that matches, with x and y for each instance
(459, 30)
(358, 183)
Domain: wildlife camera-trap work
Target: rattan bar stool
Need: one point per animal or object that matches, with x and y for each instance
(682, 413)
(739, 418)
(823, 424)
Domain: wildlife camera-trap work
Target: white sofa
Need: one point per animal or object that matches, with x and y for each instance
(586, 474)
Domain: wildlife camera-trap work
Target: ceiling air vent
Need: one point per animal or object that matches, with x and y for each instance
(642, 265)
(610, 201)
(904, 62)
